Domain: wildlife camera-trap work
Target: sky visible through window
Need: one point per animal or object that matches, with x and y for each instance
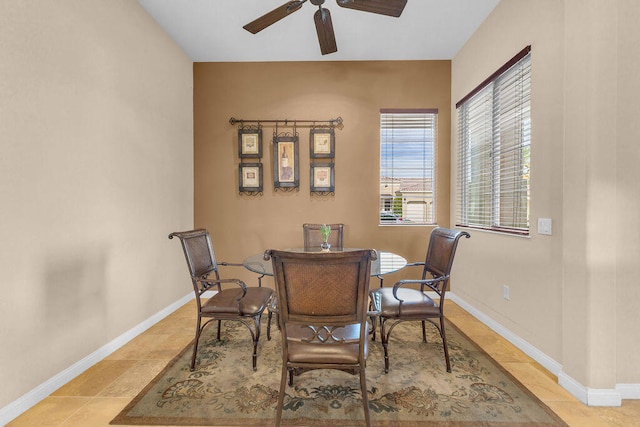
(405, 154)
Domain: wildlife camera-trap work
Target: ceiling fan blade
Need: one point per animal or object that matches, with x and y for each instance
(324, 28)
(274, 16)
(382, 7)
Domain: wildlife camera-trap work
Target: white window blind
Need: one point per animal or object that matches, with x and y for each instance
(407, 166)
(494, 145)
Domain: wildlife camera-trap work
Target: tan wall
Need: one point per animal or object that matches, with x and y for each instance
(243, 225)
(95, 170)
(584, 176)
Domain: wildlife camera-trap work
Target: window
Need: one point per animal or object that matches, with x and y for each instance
(407, 166)
(494, 137)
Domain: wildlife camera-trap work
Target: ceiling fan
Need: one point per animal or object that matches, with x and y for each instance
(322, 17)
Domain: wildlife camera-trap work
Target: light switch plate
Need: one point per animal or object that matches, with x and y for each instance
(544, 226)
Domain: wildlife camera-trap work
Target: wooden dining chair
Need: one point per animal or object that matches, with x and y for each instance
(313, 238)
(402, 303)
(323, 299)
(232, 299)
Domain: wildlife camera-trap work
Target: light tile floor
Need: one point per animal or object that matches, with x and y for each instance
(95, 397)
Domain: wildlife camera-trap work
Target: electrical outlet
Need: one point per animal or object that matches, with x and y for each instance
(505, 292)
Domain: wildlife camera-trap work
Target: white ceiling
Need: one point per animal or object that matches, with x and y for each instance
(211, 30)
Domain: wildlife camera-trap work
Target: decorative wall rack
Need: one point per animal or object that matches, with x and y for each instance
(337, 122)
(286, 155)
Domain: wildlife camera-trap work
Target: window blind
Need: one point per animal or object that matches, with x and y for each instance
(407, 166)
(494, 145)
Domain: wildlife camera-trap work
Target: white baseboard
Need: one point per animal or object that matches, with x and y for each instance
(603, 397)
(576, 389)
(629, 391)
(586, 395)
(28, 400)
(591, 396)
(549, 364)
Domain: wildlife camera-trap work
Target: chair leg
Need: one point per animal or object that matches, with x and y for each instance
(424, 331)
(385, 343)
(365, 397)
(273, 308)
(373, 320)
(444, 344)
(283, 382)
(374, 307)
(256, 338)
(195, 343)
(219, 327)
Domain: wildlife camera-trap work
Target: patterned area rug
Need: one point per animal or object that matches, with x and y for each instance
(417, 391)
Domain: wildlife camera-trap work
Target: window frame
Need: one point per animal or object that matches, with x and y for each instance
(483, 159)
(417, 206)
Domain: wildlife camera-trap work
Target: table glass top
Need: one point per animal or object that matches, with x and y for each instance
(387, 262)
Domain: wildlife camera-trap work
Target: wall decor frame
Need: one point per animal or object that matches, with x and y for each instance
(322, 143)
(250, 177)
(250, 142)
(322, 178)
(286, 169)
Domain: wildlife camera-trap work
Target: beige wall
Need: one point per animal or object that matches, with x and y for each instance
(627, 296)
(95, 170)
(584, 176)
(602, 191)
(243, 225)
(493, 260)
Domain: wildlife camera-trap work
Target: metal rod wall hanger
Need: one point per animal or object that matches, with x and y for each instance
(337, 122)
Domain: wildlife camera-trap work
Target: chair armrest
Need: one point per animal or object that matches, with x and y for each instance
(235, 264)
(231, 264)
(415, 264)
(431, 283)
(412, 264)
(208, 283)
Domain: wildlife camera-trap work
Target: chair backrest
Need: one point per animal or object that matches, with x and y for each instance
(442, 249)
(316, 288)
(313, 238)
(198, 252)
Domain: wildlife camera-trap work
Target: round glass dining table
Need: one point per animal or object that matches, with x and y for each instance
(386, 262)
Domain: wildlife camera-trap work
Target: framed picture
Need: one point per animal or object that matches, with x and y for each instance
(250, 177)
(285, 162)
(322, 177)
(250, 143)
(322, 143)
